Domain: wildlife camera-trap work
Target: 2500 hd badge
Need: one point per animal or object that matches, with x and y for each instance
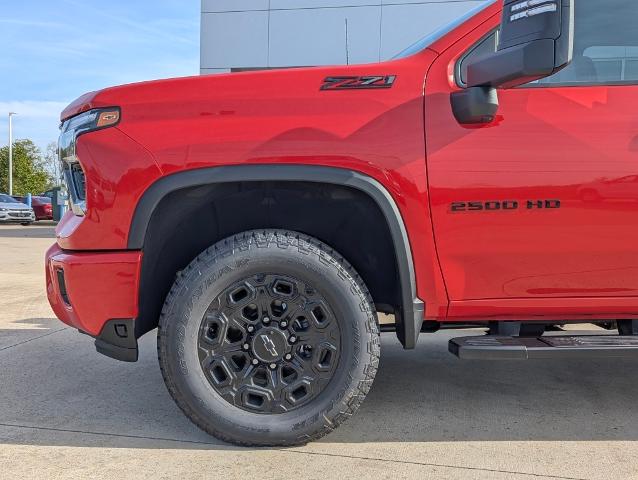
(504, 205)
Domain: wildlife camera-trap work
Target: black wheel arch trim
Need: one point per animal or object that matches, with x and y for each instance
(408, 321)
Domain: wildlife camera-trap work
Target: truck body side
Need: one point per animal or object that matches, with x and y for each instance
(396, 131)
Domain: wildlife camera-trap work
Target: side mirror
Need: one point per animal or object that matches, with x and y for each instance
(536, 40)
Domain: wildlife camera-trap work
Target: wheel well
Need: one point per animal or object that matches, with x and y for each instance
(189, 220)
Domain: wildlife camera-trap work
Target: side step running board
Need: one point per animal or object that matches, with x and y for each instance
(490, 347)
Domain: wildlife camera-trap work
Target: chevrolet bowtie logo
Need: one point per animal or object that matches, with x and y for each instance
(269, 345)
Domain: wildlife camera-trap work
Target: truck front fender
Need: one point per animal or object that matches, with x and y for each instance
(408, 320)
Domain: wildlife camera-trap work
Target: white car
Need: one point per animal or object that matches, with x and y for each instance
(12, 211)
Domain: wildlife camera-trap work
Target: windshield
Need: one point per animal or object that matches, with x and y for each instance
(439, 33)
(7, 199)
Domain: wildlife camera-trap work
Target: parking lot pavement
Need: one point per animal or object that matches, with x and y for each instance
(66, 411)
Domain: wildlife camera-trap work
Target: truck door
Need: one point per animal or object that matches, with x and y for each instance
(543, 201)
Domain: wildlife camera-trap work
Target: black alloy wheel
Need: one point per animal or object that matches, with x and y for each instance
(269, 343)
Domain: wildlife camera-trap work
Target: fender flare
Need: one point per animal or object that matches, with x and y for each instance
(408, 321)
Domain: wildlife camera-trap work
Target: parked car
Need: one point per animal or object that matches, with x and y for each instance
(41, 206)
(13, 211)
(262, 219)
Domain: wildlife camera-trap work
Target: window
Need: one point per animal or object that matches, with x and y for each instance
(442, 31)
(485, 46)
(605, 46)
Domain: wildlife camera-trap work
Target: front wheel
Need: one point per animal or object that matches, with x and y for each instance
(268, 338)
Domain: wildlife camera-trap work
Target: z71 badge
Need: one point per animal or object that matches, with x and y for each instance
(353, 83)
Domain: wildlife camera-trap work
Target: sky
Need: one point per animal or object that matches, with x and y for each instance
(53, 51)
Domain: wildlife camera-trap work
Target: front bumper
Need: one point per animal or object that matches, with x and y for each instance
(17, 216)
(95, 292)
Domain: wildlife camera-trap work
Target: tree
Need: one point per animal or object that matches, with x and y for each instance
(52, 163)
(29, 170)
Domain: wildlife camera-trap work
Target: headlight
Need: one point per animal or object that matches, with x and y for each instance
(4, 209)
(71, 129)
(84, 123)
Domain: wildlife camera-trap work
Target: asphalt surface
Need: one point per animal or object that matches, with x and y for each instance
(67, 412)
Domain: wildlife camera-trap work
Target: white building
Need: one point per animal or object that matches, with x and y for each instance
(244, 34)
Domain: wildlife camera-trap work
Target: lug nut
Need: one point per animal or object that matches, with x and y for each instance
(245, 346)
(266, 320)
(273, 366)
(283, 324)
(292, 339)
(250, 329)
(255, 361)
(288, 357)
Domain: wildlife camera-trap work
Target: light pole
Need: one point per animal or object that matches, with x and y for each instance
(11, 114)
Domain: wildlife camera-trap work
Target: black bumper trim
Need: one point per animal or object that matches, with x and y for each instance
(489, 347)
(117, 340)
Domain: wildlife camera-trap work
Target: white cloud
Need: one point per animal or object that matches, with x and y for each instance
(36, 120)
(30, 23)
(128, 22)
(51, 59)
(33, 109)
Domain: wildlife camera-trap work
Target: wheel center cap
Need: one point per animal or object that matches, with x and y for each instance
(269, 345)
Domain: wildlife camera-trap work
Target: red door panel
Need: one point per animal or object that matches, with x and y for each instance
(573, 146)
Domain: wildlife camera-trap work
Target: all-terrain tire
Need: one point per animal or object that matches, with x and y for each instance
(261, 252)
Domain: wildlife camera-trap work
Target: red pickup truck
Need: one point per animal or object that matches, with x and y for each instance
(486, 176)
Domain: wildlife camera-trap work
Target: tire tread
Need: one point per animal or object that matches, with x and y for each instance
(306, 245)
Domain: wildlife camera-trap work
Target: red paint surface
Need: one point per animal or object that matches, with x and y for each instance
(577, 145)
(271, 117)
(100, 286)
(43, 211)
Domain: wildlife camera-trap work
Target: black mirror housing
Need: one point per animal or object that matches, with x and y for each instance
(475, 105)
(536, 41)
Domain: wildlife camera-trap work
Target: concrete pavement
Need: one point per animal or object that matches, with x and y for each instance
(67, 412)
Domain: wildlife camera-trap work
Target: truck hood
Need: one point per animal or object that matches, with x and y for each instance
(277, 82)
(216, 89)
(79, 105)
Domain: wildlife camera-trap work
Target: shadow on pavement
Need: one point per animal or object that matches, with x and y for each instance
(57, 390)
(27, 330)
